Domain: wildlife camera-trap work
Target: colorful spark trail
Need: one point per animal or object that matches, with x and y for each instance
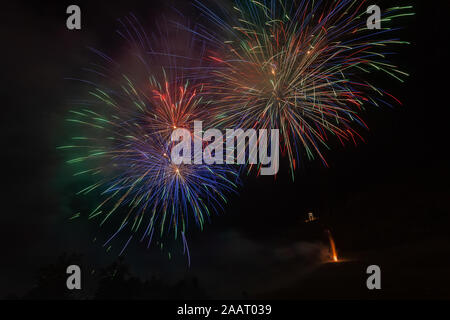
(302, 67)
(125, 145)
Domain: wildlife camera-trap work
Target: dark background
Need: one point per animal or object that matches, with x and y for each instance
(385, 200)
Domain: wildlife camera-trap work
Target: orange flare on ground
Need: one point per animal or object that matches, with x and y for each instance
(333, 247)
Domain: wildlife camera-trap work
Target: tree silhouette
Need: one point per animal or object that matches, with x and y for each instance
(51, 280)
(116, 282)
(113, 282)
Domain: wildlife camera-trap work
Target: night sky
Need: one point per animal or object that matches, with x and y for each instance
(385, 200)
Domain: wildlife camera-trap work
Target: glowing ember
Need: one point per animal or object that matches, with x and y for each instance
(332, 247)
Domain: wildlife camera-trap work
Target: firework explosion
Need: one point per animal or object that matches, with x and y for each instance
(300, 67)
(126, 142)
(297, 66)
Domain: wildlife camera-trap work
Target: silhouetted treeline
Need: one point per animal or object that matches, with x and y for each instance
(114, 281)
